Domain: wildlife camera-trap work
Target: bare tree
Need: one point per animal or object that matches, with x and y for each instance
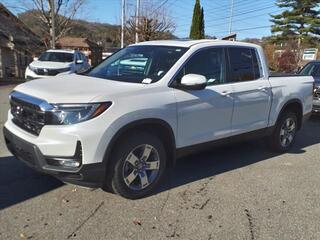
(154, 23)
(64, 12)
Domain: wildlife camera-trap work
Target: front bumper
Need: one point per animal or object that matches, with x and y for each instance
(88, 175)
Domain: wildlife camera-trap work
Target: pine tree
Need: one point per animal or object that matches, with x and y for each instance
(202, 23)
(301, 20)
(197, 26)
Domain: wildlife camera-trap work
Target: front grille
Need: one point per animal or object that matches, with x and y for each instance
(47, 72)
(27, 116)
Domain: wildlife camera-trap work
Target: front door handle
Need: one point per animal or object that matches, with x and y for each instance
(263, 88)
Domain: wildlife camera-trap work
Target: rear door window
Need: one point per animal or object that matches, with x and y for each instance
(243, 64)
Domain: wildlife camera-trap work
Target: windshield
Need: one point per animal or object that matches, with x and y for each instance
(138, 64)
(56, 57)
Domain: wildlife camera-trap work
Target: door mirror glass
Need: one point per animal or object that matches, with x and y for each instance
(193, 82)
(79, 61)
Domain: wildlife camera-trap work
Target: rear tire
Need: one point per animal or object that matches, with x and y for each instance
(138, 163)
(284, 134)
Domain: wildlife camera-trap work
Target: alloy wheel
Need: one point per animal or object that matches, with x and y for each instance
(141, 167)
(287, 132)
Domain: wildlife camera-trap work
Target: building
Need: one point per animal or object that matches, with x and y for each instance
(230, 37)
(91, 49)
(109, 51)
(18, 46)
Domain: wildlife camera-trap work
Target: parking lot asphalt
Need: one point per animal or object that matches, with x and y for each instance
(236, 192)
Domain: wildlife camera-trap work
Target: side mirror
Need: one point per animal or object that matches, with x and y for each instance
(193, 82)
(79, 61)
(35, 59)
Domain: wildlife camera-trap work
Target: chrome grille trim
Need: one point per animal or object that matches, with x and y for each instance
(28, 112)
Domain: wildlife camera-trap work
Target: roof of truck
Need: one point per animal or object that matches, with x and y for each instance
(189, 43)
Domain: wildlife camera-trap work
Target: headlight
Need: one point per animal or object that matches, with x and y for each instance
(65, 114)
(33, 69)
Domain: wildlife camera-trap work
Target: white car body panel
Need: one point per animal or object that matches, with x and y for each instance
(194, 116)
(203, 115)
(282, 92)
(251, 97)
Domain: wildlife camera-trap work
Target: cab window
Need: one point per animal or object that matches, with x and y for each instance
(209, 63)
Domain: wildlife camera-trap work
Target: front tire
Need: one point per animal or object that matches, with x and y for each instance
(138, 164)
(285, 132)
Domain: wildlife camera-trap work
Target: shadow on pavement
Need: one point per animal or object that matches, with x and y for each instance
(230, 157)
(19, 182)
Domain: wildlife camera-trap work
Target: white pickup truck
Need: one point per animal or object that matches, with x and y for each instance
(124, 122)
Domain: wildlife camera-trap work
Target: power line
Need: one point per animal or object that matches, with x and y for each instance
(235, 9)
(245, 29)
(215, 10)
(240, 20)
(236, 6)
(244, 13)
(163, 3)
(235, 15)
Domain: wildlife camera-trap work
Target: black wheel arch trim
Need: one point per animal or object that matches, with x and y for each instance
(140, 123)
(285, 106)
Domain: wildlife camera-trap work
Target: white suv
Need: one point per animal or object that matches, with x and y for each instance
(53, 62)
(124, 122)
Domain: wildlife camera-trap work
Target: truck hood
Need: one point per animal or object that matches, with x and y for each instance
(75, 88)
(50, 65)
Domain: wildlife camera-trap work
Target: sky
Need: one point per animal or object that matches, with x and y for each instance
(251, 18)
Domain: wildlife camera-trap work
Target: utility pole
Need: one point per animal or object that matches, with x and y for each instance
(137, 19)
(231, 16)
(123, 4)
(52, 29)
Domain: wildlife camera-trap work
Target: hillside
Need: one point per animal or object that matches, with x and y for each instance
(108, 35)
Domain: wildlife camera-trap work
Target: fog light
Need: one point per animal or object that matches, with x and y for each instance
(69, 163)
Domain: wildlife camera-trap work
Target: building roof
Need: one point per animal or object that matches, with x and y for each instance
(15, 31)
(76, 42)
